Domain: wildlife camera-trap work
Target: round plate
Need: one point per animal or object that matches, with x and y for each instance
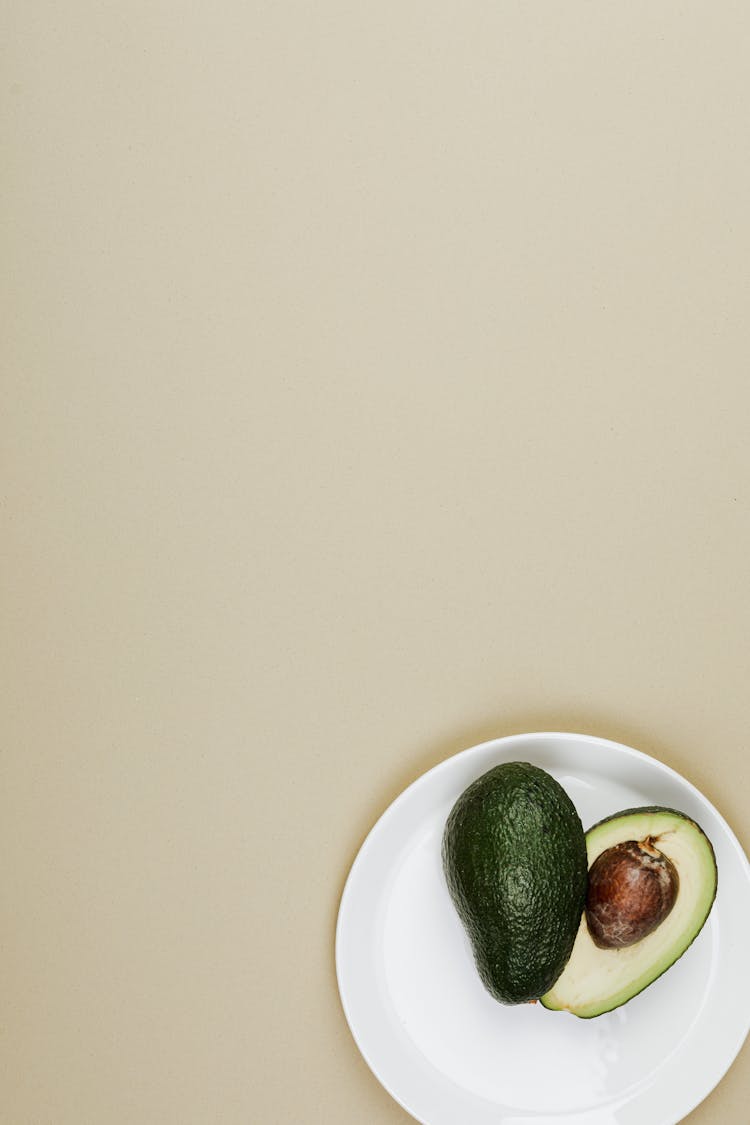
(447, 1052)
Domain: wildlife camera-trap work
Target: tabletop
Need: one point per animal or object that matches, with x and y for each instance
(376, 384)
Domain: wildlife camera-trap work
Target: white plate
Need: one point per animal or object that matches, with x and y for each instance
(451, 1055)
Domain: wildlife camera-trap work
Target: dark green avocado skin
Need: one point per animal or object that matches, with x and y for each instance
(514, 856)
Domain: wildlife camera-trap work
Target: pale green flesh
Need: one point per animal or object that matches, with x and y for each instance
(597, 980)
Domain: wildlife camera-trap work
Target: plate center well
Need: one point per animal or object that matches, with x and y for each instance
(524, 1057)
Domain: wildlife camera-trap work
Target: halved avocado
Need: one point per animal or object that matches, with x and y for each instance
(595, 979)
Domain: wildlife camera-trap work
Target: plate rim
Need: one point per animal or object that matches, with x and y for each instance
(498, 742)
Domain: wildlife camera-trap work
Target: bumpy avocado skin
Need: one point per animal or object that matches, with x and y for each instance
(514, 856)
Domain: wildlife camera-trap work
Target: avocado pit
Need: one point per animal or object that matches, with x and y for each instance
(632, 888)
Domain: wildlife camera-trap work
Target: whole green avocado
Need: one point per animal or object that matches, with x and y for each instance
(514, 856)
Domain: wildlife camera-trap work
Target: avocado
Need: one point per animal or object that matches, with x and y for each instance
(514, 856)
(652, 882)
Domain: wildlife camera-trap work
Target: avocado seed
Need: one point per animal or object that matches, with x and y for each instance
(632, 888)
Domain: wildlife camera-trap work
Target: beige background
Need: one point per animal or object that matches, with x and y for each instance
(376, 384)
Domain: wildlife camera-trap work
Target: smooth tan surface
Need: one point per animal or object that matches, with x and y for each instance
(376, 384)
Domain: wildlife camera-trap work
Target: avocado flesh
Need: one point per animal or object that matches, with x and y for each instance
(514, 856)
(597, 980)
